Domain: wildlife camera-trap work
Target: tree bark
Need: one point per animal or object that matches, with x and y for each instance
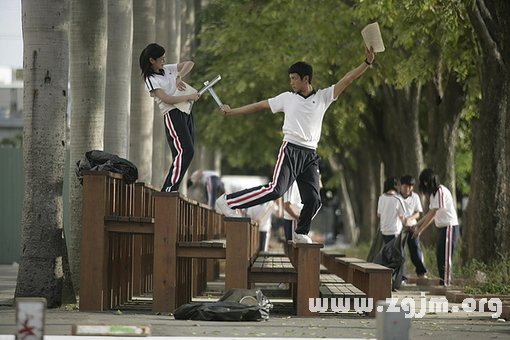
(165, 14)
(88, 80)
(487, 228)
(142, 105)
(118, 81)
(351, 231)
(43, 264)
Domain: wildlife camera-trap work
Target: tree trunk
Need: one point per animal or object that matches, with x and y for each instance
(351, 231)
(368, 184)
(188, 41)
(445, 110)
(43, 264)
(165, 14)
(399, 132)
(87, 78)
(487, 228)
(118, 80)
(142, 105)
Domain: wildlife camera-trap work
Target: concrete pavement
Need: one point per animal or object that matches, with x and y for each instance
(452, 326)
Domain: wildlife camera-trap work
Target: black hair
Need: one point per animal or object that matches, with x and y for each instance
(303, 69)
(407, 179)
(153, 51)
(391, 183)
(429, 182)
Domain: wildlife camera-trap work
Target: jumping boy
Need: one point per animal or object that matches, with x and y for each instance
(298, 161)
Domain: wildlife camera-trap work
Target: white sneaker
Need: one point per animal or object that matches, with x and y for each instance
(222, 207)
(302, 238)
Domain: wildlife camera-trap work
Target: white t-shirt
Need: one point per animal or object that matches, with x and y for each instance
(412, 204)
(166, 82)
(443, 201)
(294, 198)
(262, 214)
(303, 116)
(389, 209)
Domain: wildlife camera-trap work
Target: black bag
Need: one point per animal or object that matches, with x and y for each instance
(228, 308)
(104, 161)
(392, 256)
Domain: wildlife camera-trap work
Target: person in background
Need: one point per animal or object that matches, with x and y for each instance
(291, 209)
(413, 209)
(442, 211)
(211, 182)
(261, 214)
(390, 210)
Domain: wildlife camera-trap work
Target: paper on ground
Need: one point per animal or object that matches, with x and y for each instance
(372, 36)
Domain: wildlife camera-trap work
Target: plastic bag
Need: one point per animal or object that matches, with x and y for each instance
(254, 307)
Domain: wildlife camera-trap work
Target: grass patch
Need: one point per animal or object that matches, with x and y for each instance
(487, 278)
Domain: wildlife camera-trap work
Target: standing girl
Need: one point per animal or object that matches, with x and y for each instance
(163, 82)
(442, 211)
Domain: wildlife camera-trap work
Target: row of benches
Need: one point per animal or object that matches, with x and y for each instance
(372, 279)
(137, 241)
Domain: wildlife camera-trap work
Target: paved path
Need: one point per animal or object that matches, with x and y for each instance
(451, 326)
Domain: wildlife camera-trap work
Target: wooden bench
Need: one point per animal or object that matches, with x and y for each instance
(139, 241)
(334, 287)
(301, 270)
(305, 257)
(373, 279)
(343, 267)
(328, 258)
(116, 261)
(181, 238)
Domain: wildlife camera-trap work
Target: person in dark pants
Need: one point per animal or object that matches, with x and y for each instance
(442, 211)
(164, 83)
(413, 208)
(304, 110)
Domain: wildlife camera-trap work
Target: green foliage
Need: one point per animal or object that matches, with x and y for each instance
(487, 278)
(252, 43)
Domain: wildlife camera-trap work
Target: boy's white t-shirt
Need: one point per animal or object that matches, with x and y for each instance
(389, 209)
(412, 204)
(446, 214)
(303, 116)
(294, 198)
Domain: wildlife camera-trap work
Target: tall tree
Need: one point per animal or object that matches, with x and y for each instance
(87, 78)
(165, 14)
(142, 106)
(43, 256)
(488, 222)
(118, 80)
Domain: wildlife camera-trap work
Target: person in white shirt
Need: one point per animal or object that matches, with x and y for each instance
(413, 207)
(211, 182)
(390, 210)
(304, 110)
(261, 214)
(163, 81)
(442, 211)
(292, 207)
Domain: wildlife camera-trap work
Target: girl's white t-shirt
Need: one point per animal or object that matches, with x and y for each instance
(389, 209)
(446, 214)
(165, 82)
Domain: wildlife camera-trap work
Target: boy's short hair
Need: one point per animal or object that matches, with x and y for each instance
(408, 180)
(303, 69)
